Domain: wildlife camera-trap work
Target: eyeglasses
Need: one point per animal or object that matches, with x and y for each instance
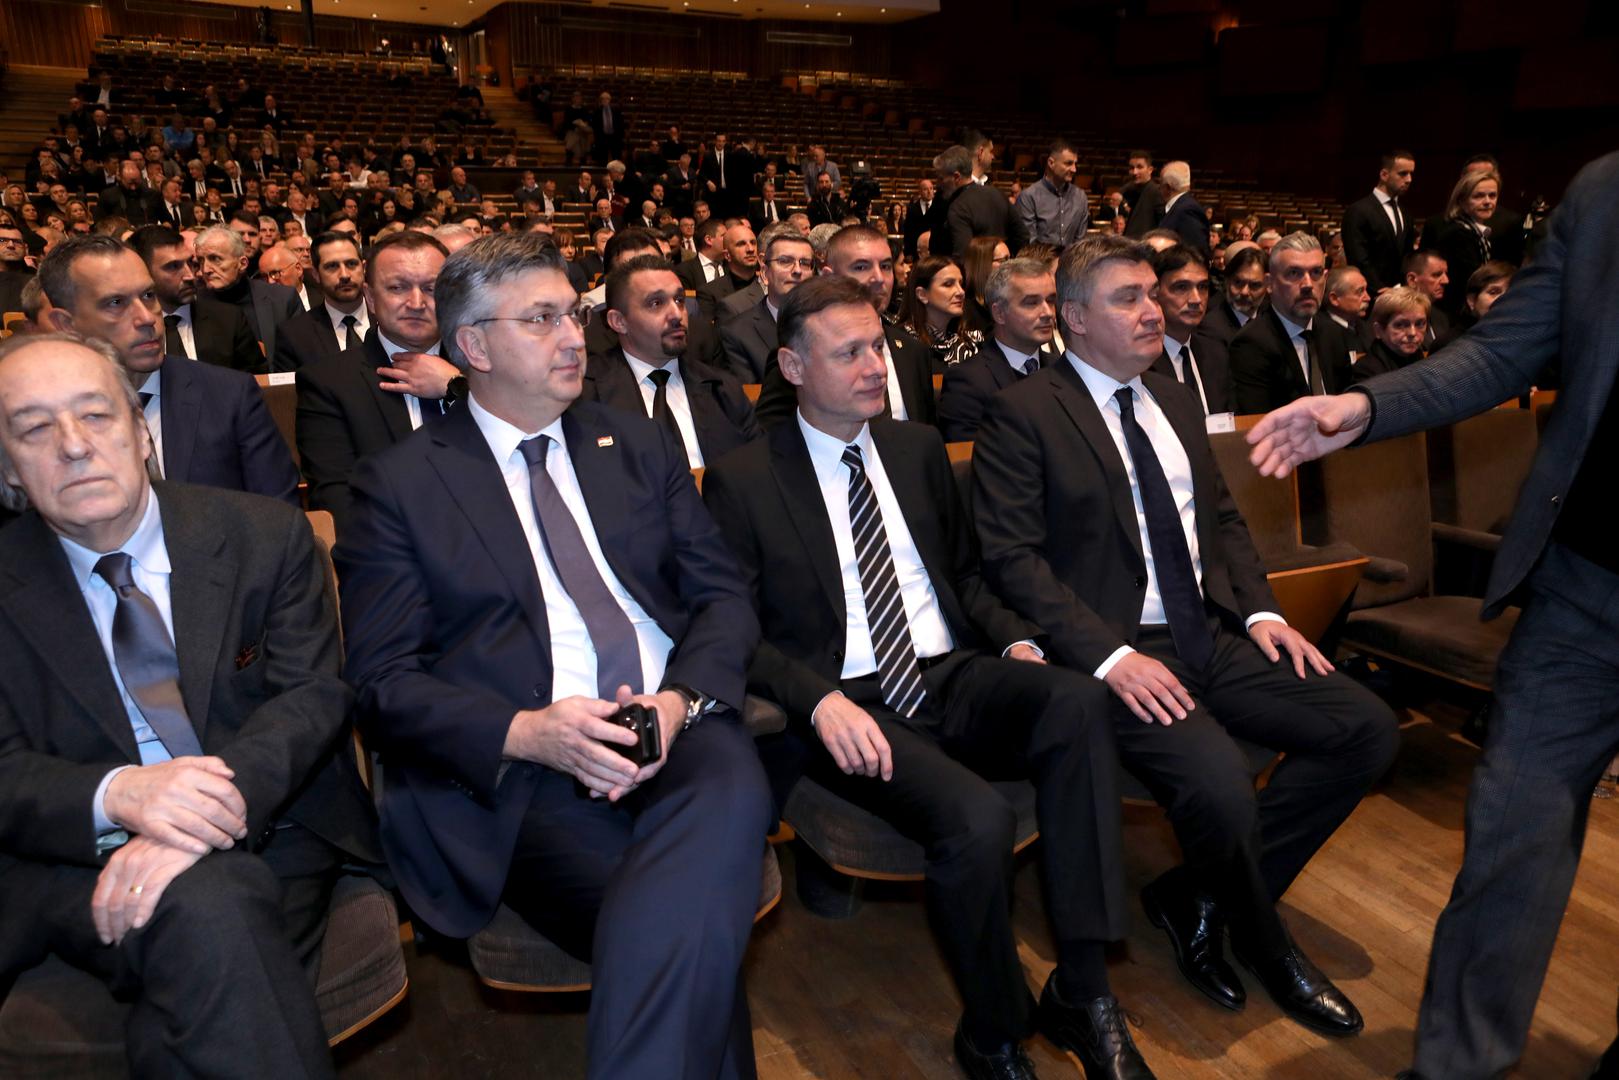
(787, 262)
(546, 321)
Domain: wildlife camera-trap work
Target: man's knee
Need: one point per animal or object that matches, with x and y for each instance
(978, 829)
(222, 904)
(1371, 736)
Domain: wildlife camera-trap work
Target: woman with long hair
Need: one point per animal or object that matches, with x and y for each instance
(984, 254)
(934, 298)
(1462, 236)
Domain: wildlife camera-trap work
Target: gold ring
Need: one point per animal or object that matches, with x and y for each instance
(135, 890)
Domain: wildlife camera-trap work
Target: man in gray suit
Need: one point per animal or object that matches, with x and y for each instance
(223, 256)
(1554, 725)
(750, 338)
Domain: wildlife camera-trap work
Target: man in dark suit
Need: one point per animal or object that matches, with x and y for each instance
(1143, 196)
(1244, 294)
(727, 177)
(360, 401)
(181, 788)
(1551, 731)
(922, 214)
(556, 563)
(749, 339)
(766, 210)
(1196, 360)
(1291, 350)
(1022, 299)
(703, 409)
(223, 259)
(971, 209)
(741, 267)
(1346, 302)
(129, 199)
(193, 326)
(341, 320)
(710, 261)
(702, 343)
(862, 253)
(1183, 214)
(677, 184)
(828, 206)
(1378, 234)
(1104, 520)
(1428, 273)
(927, 685)
(607, 120)
(208, 424)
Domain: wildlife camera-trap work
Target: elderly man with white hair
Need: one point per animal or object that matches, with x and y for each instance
(1183, 214)
(223, 263)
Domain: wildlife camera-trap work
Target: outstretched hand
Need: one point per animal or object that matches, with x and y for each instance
(1306, 429)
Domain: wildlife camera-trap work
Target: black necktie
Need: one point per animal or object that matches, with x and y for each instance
(618, 653)
(1171, 559)
(146, 399)
(1188, 375)
(145, 657)
(351, 333)
(897, 670)
(1399, 222)
(1313, 361)
(172, 343)
(661, 412)
(1031, 365)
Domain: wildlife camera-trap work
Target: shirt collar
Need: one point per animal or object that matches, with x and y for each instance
(1058, 191)
(643, 368)
(1173, 199)
(1293, 329)
(1102, 387)
(826, 453)
(152, 384)
(337, 316)
(1382, 196)
(145, 547)
(1173, 347)
(391, 349)
(1016, 357)
(503, 437)
(1339, 319)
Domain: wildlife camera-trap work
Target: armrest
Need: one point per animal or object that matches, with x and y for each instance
(1470, 538)
(1386, 571)
(1306, 555)
(762, 717)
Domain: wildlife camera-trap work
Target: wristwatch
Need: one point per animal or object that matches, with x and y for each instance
(697, 703)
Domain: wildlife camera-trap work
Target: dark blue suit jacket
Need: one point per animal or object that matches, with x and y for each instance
(969, 385)
(218, 432)
(1188, 218)
(447, 635)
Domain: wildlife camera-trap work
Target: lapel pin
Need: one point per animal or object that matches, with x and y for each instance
(605, 440)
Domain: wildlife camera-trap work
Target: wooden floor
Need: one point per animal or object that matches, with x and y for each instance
(869, 996)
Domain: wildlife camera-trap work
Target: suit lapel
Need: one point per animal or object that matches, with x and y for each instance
(906, 360)
(598, 466)
(395, 413)
(1075, 399)
(1192, 432)
(700, 398)
(910, 489)
(801, 492)
(181, 413)
(44, 603)
(201, 591)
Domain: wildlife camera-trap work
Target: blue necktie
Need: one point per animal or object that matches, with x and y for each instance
(146, 660)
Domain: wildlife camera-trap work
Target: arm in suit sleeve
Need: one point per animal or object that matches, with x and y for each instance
(391, 648)
(245, 352)
(1358, 249)
(325, 448)
(1497, 359)
(736, 353)
(960, 221)
(45, 800)
(286, 357)
(778, 398)
(739, 410)
(962, 401)
(267, 467)
(1252, 378)
(1009, 509)
(790, 683)
(287, 737)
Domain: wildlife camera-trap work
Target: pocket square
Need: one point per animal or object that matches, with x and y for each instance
(248, 654)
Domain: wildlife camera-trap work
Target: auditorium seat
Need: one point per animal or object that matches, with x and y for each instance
(1475, 470)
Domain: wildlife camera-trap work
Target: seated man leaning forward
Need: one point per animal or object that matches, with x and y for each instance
(512, 575)
(177, 785)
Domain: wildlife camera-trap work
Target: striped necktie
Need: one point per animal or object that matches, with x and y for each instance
(897, 670)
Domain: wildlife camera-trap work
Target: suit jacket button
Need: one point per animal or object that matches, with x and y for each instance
(537, 691)
(1557, 500)
(1141, 581)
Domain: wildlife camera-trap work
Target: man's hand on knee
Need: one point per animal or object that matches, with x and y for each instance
(853, 738)
(188, 803)
(132, 883)
(1149, 688)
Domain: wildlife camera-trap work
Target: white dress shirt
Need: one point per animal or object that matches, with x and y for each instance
(362, 321)
(679, 404)
(929, 633)
(412, 402)
(303, 296)
(153, 384)
(573, 655)
(711, 269)
(187, 331)
(1177, 468)
(896, 400)
(1387, 202)
(1295, 337)
(1173, 348)
(150, 567)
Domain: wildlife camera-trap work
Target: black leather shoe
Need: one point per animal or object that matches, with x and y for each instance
(1302, 992)
(1095, 1033)
(1195, 930)
(1008, 1063)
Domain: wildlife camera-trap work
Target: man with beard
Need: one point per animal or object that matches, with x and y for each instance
(1289, 352)
(129, 199)
(225, 275)
(195, 327)
(1245, 292)
(340, 321)
(702, 408)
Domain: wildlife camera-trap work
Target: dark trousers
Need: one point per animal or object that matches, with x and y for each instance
(1555, 726)
(985, 716)
(217, 984)
(659, 893)
(1338, 738)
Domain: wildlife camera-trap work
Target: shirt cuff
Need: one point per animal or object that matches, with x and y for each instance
(1025, 641)
(1262, 616)
(818, 705)
(104, 824)
(1107, 665)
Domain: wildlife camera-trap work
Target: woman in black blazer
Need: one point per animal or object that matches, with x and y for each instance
(1399, 325)
(1461, 236)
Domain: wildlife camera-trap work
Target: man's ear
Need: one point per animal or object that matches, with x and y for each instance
(60, 318)
(791, 364)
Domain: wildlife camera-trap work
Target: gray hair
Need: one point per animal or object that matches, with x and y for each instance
(229, 235)
(32, 299)
(1177, 176)
(998, 289)
(781, 233)
(1295, 241)
(55, 273)
(821, 236)
(1082, 263)
(468, 279)
(956, 160)
(15, 498)
(452, 230)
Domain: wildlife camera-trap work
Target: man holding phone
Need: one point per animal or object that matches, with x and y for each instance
(513, 577)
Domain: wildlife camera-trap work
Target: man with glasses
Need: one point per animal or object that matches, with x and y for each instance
(1288, 353)
(1244, 291)
(749, 337)
(703, 409)
(14, 270)
(512, 576)
(363, 400)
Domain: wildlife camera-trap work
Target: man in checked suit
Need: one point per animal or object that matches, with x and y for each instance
(180, 788)
(1022, 299)
(1104, 520)
(1552, 729)
(511, 576)
(1378, 234)
(906, 674)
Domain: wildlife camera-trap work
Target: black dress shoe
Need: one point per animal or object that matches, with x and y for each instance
(1302, 992)
(1096, 1034)
(1008, 1063)
(1195, 930)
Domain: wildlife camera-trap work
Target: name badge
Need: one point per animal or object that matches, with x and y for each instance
(1218, 422)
